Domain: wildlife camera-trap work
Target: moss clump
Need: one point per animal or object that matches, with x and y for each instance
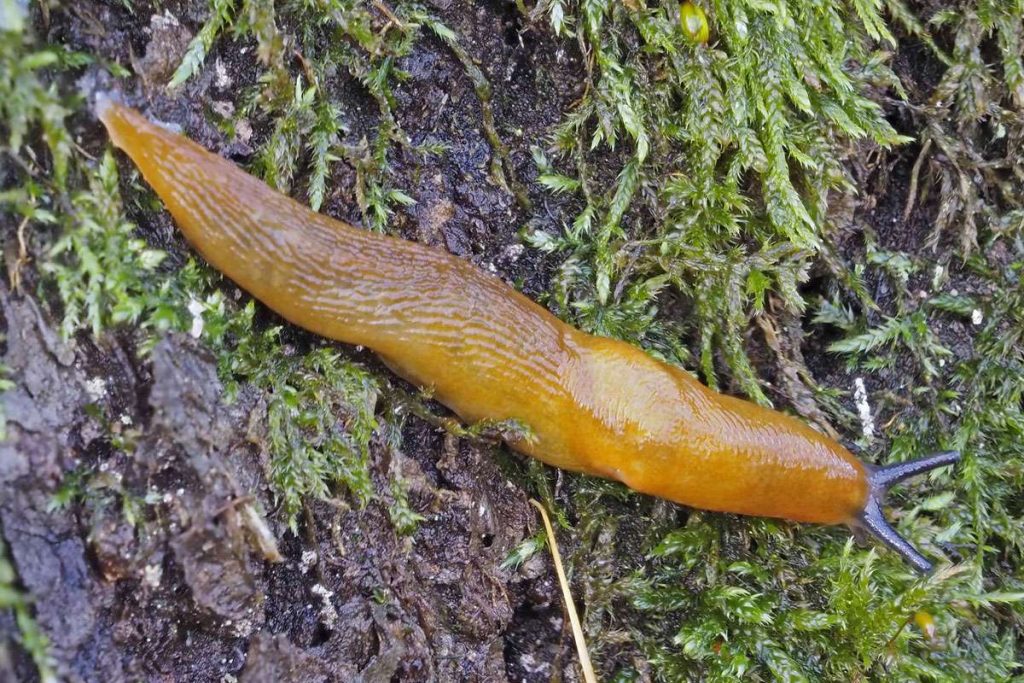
(103, 272)
(320, 413)
(727, 155)
(734, 181)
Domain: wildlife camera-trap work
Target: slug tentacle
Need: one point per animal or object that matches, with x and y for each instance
(881, 479)
(885, 477)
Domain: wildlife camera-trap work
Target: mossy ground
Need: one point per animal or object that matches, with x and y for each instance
(821, 198)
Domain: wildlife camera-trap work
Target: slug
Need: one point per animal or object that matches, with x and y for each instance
(591, 404)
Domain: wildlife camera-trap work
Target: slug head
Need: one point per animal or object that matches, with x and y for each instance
(880, 480)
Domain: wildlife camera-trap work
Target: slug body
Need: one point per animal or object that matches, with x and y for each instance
(591, 404)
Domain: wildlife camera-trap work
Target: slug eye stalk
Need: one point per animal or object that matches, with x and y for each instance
(881, 479)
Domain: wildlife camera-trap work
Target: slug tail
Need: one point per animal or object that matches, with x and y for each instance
(881, 479)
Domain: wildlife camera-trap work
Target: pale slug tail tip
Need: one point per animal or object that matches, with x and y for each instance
(105, 107)
(871, 517)
(102, 105)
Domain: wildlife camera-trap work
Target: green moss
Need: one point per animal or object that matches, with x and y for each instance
(103, 272)
(527, 548)
(27, 105)
(731, 158)
(731, 152)
(321, 410)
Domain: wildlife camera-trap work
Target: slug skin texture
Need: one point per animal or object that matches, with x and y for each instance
(592, 404)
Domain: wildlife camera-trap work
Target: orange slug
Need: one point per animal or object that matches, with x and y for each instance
(591, 404)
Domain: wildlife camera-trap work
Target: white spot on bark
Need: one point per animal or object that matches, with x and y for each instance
(224, 108)
(307, 560)
(514, 251)
(328, 615)
(243, 131)
(152, 574)
(221, 78)
(96, 388)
